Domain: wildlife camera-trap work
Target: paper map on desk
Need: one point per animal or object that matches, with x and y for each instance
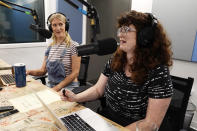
(30, 101)
(48, 96)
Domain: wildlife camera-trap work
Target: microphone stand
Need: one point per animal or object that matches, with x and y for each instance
(91, 14)
(32, 11)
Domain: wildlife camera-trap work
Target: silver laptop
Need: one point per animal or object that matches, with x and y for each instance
(7, 79)
(82, 120)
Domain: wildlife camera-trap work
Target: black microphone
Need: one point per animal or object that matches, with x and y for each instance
(101, 47)
(43, 32)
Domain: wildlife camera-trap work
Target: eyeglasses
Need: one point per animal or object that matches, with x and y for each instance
(125, 30)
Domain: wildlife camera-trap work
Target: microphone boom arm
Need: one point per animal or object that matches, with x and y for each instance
(91, 13)
(32, 11)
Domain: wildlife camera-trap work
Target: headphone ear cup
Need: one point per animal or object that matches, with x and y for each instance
(67, 26)
(50, 28)
(145, 37)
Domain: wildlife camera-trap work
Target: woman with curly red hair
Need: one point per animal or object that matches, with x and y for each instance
(136, 81)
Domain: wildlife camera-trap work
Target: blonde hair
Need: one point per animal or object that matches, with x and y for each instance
(62, 18)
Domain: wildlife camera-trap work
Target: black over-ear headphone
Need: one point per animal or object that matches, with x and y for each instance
(145, 37)
(66, 24)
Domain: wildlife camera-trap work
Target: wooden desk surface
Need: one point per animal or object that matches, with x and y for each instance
(36, 119)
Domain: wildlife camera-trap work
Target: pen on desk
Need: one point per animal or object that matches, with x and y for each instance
(2, 115)
(6, 108)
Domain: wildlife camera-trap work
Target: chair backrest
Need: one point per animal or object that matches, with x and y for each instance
(41, 78)
(83, 70)
(174, 118)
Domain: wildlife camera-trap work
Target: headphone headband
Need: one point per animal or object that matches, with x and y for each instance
(145, 37)
(153, 19)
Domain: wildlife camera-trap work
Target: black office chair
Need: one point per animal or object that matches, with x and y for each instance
(174, 118)
(82, 74)
(82, 78)
(41, 78)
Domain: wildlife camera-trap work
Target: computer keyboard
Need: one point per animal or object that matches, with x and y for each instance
(75, 123)
(7, 78)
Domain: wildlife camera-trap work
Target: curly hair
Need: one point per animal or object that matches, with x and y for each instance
(145, 59)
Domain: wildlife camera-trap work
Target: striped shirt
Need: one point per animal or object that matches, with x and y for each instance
(56, 51)
(130, 100)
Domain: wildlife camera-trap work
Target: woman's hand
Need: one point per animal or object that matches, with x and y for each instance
(55, 88)
(67, 95)
(28, 72)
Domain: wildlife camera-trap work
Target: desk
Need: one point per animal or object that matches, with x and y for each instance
(35, 119)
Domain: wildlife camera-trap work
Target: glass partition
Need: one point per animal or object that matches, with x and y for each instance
(14, 25)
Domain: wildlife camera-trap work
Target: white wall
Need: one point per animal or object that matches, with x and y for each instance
(142, 5)
(174, 19)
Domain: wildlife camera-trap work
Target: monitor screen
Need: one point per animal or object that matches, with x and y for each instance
(14, 24)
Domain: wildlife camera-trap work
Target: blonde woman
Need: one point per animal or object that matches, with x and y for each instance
(61, 61)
